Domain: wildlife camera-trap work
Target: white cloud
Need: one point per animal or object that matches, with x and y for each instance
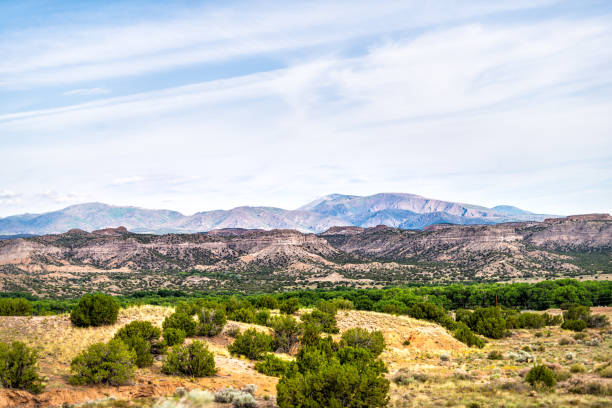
(483, 112)
(87, 92)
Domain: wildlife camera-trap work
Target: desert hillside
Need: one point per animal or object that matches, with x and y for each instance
(116, 260)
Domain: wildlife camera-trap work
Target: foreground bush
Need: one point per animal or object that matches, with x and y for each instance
(183, 321)
(326, 321)
(286, 333)
(95, 310)
(333, 384)
(15, 307)
(19, 367)
(140, 336)
(541, 375)
(289, 306)
(211, 322)
(274, 366)
(194, 360)
(109, 363)
(373, 341)
(574, 325)
(173, 336)
(238, 398)
(465, 335)
(252, 344)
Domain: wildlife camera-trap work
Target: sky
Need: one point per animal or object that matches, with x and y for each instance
(202, 105)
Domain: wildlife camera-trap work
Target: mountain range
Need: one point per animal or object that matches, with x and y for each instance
(115, 260)
(398, 210)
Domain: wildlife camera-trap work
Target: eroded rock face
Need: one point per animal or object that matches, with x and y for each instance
(288, 258)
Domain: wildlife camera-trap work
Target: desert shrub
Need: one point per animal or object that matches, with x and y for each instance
(19, 367)
(564, 341)
(541, 375)
(194, 360)
(605, 372)
(597, 321)
(109, 363)
(334, 385)
(252, 344)
(267, 302)
(577, 368)
(577, 312)
(326, 321)
(238, 398)
(311, 333)
(289, 306)
(188, 308)
(464, 316)
(15, 307)
(245, 315)
(211, 322)
(286, 332)
(575, 325)
(178, 320)
(262, 317)
(579, 386)
(465, 335)
(233, 330)
(327, 306)
(173, 336)
(431, 312)
(373, 341)
(531, 320)
(343, 304)
(390, 306)
(561, 375)
(580, 336)
(142, 337)
(95, 309)
(552, 320)
(274, 366)
(489, 322)
(495, 355)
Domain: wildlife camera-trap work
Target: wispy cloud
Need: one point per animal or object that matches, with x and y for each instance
(87, 92)
(472, 104)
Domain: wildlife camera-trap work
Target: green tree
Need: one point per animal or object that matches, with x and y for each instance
(109, 363)
(289, 306)
(194, 360)
(373, 341)
(95, 309)
(19, 367)
(178, 320)
(211, 322)
(252, 344)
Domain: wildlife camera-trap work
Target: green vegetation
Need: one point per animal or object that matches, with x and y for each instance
(15, 307)
(286, 333)
(19, 367)
(109, 363)
(140, 337)
(174, 336)
(541, 375)
(211, 321)
(193, 360)
(329, 374)
(95, 310)
(180, 320)
(274, 366)
(535, 296)
(373, 341)
(252, 344)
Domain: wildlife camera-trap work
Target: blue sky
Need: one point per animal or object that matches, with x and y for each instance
(203, 105)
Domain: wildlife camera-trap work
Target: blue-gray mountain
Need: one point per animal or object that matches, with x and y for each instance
(405, 211)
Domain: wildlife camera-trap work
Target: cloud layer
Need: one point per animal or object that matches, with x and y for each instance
(267, 105)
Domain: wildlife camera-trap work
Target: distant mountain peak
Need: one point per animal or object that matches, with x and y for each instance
(398, 210)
